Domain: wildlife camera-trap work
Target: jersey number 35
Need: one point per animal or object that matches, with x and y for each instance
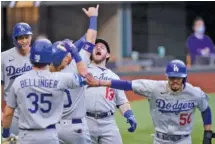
(38, 100)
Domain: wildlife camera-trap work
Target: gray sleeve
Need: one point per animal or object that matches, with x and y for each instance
(121, 97)
(144, 87)
(202, 103)
(73, 80)
(12, 98)
(85, 56)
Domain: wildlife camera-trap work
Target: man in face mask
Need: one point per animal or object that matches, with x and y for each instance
(199, 44)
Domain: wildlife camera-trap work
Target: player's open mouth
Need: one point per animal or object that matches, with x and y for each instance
(98, 53)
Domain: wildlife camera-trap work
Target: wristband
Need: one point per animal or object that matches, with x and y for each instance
(77, 57)
(80, 43)
(88, 47)
(6, 132)
(93, 23)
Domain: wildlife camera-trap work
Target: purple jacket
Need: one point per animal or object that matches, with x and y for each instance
(195, 45)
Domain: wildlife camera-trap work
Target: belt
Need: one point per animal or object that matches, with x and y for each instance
(48, 127)
(99, 115)
(213, 135)
(73, 121)
(173, 138)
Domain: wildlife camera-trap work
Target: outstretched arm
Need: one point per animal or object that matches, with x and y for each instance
(142, 87)
(116, 84)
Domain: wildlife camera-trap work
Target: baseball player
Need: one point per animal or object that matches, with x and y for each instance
(38, 96)
(172, 104)
(73, 129)
(103, 101)
(15, 62)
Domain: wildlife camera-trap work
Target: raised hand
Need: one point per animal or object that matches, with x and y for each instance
(92, 11)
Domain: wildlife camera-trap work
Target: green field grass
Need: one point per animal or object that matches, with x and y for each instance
(142, 135)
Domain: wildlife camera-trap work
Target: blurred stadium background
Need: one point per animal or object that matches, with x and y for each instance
(143, 37)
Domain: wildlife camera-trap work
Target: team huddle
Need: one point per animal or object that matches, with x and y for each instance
(62, 93)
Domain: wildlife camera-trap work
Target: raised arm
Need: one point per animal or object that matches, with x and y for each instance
(80, 43)
(81, 67)
(91, 34)
(92, 30)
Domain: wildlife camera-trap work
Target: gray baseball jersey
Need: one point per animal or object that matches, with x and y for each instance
(74, 108)
(103, 99)
(12, 66)
(74, 99)
(38, 97)
(171, 113)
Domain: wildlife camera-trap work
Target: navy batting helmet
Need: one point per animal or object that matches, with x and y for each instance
(177, 68)
(59, 53)
(20, 29)
(41, 52)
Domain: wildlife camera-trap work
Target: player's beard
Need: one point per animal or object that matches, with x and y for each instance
(176, 87)
(100, 60)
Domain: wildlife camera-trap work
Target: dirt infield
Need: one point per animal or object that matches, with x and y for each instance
(206, 81)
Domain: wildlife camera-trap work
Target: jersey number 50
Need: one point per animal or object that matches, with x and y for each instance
(185, 118)
(42, 99)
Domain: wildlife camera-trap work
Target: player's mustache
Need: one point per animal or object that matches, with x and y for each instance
(176, 83)
(23, 44)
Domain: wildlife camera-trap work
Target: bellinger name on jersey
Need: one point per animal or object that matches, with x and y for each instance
(47, 83)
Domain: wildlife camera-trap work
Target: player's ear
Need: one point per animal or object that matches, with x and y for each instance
(167, 78)
(107, 55)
